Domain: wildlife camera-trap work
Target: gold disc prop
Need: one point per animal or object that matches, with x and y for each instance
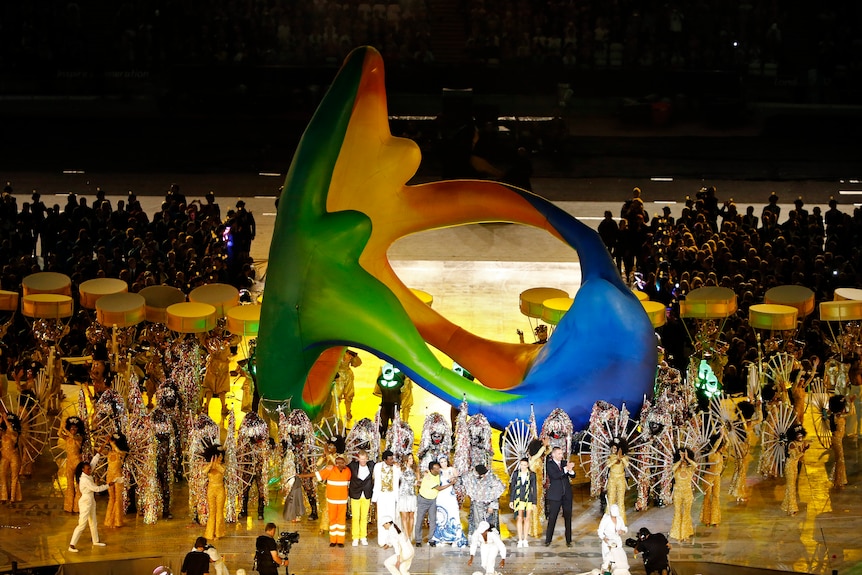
(47, 305)
(157, 299)
(92, 290)
(47, 282)
(191, 317)
(220, 296)
(844, 310)
(555, 308)
(423, 296)
(774, 317)
(8, 300)
(642, 296)
(656, 312)
(851, 294)
(244, 320)
(121, 310)
(708, 303)
(799, 297)
(532, 300)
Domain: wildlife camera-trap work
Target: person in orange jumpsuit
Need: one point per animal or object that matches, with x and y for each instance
(337, 478)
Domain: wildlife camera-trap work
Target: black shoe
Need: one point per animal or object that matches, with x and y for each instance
(242, 515)
(569, 544)
(332, 544)
(313, 516)
(167, 516)
(341, 544)
(432, 544)
(547, 543)
(260, 516)
(418, 545)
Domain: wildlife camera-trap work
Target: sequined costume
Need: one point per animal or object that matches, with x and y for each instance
(116, 509)
(217, 376)
(253, 451)
(167, 453)
(617, 464)
(795, 451)
(73, 445)
(344, 390)
(537, 519)
(297, 430)
(484, 492)
(215, 471)
(742, 460)
(839, 470)
(710, 512)
(10, 460)
(436, 441)
(682, 528)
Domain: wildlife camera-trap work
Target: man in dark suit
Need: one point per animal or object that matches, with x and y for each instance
(559, 493)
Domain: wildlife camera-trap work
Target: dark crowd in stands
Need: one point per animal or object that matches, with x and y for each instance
(758, 37)
(712, 243)
(185, 245)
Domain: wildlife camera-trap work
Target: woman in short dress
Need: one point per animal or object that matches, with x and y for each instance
(407, 494)
(522, 498)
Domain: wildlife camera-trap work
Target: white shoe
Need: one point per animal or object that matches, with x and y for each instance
(526, 544)
(72, 549)
(364, 541)
(356, 542)
(99, 544)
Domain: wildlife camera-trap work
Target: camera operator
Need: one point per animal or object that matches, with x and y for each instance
(266, 552)
(654, 548)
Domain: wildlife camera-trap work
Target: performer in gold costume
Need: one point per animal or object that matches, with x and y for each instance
(215, 493)
(683, 474)
(72, 434)
(618, 462)
(10, 458)
(119, 448)
(794, 451)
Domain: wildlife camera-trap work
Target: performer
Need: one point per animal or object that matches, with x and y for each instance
(794, 450)
(710, 512)
(559, 494)
(118, 450)
(217, 376)
(87, 503)
(360, 492)
(399, 562)
(407, 494)
(426, 503)
(448, 528)
(325, 460)
(216, 498)
(344, 390)
(387, 479)
(618, 463)
(838, 422)
(800, 385)
(291, 486)
(10, 458)
(72, 434)
(167, 449)
(484, 489)
(683, 474)
(487, 541)
(299, 431)
(337, 478)
(611, 527)
(522, 498)
(742, 454)
(537, 450)
(390, 381)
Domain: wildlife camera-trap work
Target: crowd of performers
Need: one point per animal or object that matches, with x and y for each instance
(150, 423)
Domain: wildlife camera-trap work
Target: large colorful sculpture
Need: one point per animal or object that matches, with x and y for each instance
(330, 284)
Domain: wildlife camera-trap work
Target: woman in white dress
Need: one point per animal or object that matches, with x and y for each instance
(407, 493)
(449, 530)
